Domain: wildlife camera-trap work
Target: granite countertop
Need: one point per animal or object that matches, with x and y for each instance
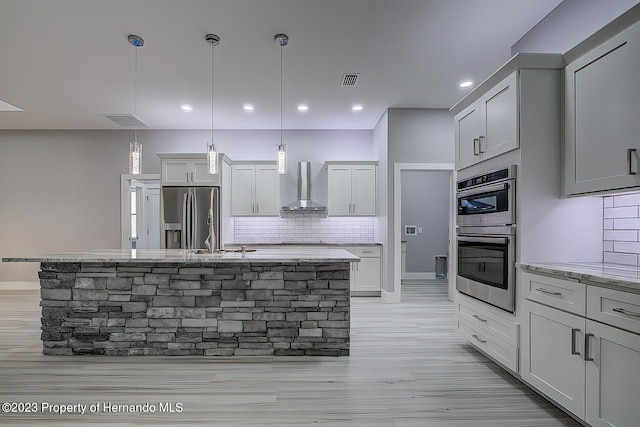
(181, 256)
(615, 276)
(250, 245)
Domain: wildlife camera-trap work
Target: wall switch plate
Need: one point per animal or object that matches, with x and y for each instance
(419, 230)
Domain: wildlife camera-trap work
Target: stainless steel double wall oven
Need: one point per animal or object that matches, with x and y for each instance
(486, 221)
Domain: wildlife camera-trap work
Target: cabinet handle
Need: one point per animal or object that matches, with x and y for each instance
(257, 208)
(478, 339)
(367, 252)
(475, 316)
(354, 208)
(544, 291)
(587, 348)
(630, 152)
(573, 341)
(480, 138)
(476, 150)
(626, 312)
(191, 176)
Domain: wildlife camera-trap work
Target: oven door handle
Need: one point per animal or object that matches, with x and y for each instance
(477, 239)
(484, 189)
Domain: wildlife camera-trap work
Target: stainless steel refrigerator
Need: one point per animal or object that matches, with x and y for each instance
(189, 216)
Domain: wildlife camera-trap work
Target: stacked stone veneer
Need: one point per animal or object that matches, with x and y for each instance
(195, 309)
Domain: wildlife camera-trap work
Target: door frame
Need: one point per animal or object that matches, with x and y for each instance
(396, 246)
(125, 203)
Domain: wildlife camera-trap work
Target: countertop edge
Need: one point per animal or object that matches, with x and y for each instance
(594, 274)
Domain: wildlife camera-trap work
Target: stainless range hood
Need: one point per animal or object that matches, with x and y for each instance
(304, 202)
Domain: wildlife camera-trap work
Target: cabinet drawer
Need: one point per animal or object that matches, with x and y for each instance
(564, 294)
(366, 251)
(616, 308)
(501, 328)
(499, 350)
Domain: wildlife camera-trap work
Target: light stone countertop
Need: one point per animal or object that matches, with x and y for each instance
(615, 276)
(310, 254)
(251, 245)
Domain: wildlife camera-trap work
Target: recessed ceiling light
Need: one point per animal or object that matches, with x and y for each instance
(303, 107)
(466, 84)
(186, 107)
(248, 107)
(357, 107)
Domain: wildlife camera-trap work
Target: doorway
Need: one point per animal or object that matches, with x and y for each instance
(447, 169)
(140, 211)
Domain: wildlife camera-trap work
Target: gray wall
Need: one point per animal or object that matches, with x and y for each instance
(60, 190)
(425, 203)
(414, 136)
(569, 24)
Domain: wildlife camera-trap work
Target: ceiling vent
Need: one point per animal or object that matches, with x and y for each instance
(350, 79)
(126, 120)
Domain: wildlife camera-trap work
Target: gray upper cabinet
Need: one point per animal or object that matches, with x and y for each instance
(489, 126)
(602, 117)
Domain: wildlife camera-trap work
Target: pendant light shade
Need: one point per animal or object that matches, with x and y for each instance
(135, 148)
(282, 40)
(212, 159)
(282, 160)
(135, 158)
(212, 152)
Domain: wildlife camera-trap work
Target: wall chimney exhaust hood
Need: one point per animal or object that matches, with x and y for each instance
(304, 202)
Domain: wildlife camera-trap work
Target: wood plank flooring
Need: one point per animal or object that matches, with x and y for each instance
(407, 368)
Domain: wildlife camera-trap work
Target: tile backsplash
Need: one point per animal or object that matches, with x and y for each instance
(621, 229)
(303, 229)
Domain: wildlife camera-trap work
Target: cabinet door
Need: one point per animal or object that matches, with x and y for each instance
(602, 132)
(500, 119)
(551, 357)
(267, 190)
(363, 190)
(367, 275)
(468, 129)
(175, 172)
(339, 190)
(242, 190)
(613, 377)
(201, 175)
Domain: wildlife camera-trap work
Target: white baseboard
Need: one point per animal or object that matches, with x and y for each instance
(390, 297)
(19, 286)
(419, 276)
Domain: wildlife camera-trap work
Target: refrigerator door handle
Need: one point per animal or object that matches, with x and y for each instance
(195, 225)
(183, 240)
(189, 224)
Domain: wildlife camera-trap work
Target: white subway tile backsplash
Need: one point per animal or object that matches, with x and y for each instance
(626, 224)
(626, 200)
(621, 235)
(303, 229)
(616, 258)
(621, 229)
(622, 212)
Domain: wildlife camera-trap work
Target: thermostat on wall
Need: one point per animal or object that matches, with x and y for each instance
(410, 230)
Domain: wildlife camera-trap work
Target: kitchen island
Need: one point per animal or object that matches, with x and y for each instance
(177, 302)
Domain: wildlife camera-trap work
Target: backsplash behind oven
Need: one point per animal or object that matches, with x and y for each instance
(621, 229)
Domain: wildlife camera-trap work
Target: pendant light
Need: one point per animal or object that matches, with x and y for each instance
(135, 148)
(282, 40)
(212, 153)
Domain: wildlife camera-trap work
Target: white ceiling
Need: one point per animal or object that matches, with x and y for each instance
(67, 63)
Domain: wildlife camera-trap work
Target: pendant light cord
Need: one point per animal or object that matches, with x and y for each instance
(135, 90)
(281, 94)
(212, 47)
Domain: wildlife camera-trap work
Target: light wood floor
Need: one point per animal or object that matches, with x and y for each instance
(407, 368)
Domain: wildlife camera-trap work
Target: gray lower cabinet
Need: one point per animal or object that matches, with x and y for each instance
(588, 367)
(602, 130)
